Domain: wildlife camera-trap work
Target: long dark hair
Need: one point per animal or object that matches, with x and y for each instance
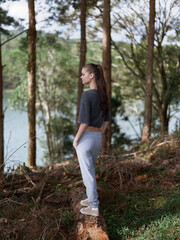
(101, 84)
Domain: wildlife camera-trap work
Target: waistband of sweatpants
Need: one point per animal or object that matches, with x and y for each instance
(92, 133)
(93, 129)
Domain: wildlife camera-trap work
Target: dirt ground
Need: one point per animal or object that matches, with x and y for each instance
(37, 204)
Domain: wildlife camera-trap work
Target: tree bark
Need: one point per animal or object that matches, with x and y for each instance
(87, 227)
(106, 42)
(164, 121)
(83, 49)
(31, 69)
(149, 76)
(1, 115)
(161, 107)
(44, 112)
(164, 102)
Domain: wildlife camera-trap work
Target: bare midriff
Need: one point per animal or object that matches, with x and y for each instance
(93, 129)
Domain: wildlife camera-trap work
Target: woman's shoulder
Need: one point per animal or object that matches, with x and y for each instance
(90, 92)
(90, 95)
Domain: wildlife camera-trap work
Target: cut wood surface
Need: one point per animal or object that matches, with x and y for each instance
(87, 227)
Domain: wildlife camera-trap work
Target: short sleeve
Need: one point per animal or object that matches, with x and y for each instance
(84, 112)
(107, 116)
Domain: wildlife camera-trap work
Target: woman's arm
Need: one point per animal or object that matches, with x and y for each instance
(104, 126)
(81, 130)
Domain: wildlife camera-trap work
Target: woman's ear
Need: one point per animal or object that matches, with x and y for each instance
(92, 75)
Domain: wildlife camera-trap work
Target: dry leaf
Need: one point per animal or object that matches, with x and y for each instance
(140, 177)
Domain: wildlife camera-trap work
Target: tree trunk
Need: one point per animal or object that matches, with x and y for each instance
(1, 115)
(161, 107)
(149, 76)
(87, 227)
(31, 69)
(106, 42)
(164, 101)
(46, 124)
(164, 122)
(82, 55)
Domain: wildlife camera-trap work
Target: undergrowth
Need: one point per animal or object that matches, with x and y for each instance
(139, 196)
(144, 214)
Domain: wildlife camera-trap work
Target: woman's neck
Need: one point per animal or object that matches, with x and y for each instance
(93, 85)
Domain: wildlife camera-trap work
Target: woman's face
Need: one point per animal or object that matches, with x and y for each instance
(86, 76)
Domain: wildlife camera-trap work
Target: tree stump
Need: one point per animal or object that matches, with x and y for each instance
(88, 227)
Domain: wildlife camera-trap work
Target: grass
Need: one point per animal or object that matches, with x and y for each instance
(144, 214)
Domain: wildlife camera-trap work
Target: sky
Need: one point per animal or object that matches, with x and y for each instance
(19, 10)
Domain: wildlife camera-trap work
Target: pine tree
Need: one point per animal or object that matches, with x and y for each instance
(5, 20)
(83, 49)
(106, 42)
(31, 69)
(149, 75)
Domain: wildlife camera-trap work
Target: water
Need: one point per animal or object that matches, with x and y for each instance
(132, 128)
(16, 136)
(16, 131)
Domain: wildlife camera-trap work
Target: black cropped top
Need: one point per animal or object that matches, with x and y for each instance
(90, 109)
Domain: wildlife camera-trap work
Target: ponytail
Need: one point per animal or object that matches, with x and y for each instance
(101, 85)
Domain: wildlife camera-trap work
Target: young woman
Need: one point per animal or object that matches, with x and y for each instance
(93, 119)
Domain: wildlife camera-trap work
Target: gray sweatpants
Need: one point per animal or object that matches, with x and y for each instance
(88, 150)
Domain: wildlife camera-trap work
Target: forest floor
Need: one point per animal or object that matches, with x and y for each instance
(138, 191)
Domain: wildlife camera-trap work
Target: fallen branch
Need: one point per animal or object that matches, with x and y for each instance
(87, 227)
(134, 154)
(126, 155)
(75, 184)
(7, 201)
(42, 188)
(71, 173)
(8, 184)
(19, 191)
(28, 178)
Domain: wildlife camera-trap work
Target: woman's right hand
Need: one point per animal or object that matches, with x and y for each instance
(75, 143)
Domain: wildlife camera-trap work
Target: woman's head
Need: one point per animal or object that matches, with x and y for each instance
(94, 72)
